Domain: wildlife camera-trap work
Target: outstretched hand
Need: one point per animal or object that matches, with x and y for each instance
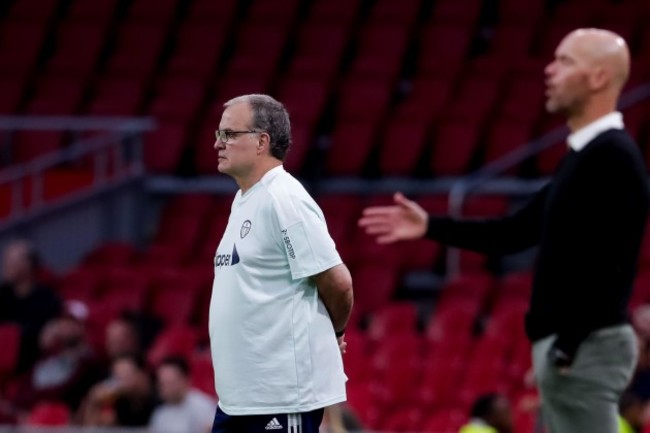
(405, 220)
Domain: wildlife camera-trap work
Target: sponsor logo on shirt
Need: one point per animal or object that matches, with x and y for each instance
(287, 244)
(245, 229)
(232, 259)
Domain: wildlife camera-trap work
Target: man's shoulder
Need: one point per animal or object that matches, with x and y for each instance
(286, 192)
(613, 140)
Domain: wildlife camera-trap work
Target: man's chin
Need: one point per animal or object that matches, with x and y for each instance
(553, 107)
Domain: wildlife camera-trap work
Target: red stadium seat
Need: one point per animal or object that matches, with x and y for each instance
(403, 13)
(443, 48)
(137, 51)
(476, 99)
(153, 11)
(49, 414)
(258, 49)
(374, 285)
(402, 146)
(197, 204)
(351, 145)
(397, 319)
(99, 11)
(177, 99)
(505, 137)
(118, 96)
(513, 39)
(201, 372)
(427, 100)
(163, 148)
(82, 283)
(451, 11)
(319, 51)
(20, 47)
(174, 341)
(10, 335)
(381, 50)
(197, 50)
(454, 146)
(57, 96)
(30, 145)
(78, 48)
(515, 286)
(36, 11)
(514, 11)
(12, 93)
(112, 254)
(219, 13)
(174, 296)
(363, 99)
(335, 11)
(397, 366)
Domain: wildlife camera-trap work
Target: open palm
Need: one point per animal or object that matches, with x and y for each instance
(404, 220)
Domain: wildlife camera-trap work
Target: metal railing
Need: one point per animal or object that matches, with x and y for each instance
(117, 144)
(474, 181)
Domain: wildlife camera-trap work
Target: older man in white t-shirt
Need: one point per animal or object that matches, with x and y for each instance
(281, 296)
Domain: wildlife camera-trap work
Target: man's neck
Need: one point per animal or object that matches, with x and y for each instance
(590, 113)
(247, 182)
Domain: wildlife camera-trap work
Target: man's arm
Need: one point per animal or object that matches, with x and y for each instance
(406, 220)
(335, 289)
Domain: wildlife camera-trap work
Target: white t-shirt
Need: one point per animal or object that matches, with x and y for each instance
(194, 414)
(273, 344)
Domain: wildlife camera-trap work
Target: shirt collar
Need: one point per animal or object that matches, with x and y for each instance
(270, 175)
(579, 139)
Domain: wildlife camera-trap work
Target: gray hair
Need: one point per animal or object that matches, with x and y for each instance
(270, 116)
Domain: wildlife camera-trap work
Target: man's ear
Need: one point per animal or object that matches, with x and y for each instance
(599, 78)
(263, 143)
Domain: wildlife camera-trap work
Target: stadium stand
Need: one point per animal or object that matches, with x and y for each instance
(376, 89)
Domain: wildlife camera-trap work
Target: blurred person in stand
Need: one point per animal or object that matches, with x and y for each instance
(122, 337)
(184, 409)
(631, 413)
(67, 367)
(491, 413)
(25, 300)
(125, 399)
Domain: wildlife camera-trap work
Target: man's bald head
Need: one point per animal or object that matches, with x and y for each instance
(590, 69)
(602, 49)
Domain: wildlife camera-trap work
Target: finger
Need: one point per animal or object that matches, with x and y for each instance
(387, 239)
(401, 200)
(371, 220)
(379, 210)
(378, 229)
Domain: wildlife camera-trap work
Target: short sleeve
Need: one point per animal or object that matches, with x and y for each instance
(304, 237)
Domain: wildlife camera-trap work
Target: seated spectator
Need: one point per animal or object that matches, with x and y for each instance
(184, 409)
(130, 334)
(126, 398)
(631, 409)
(490, 414)
(24, 299)
(67, 367)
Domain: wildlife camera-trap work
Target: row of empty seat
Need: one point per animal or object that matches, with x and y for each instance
(397, 88)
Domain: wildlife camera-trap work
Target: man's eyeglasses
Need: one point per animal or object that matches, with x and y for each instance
(227, 135)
